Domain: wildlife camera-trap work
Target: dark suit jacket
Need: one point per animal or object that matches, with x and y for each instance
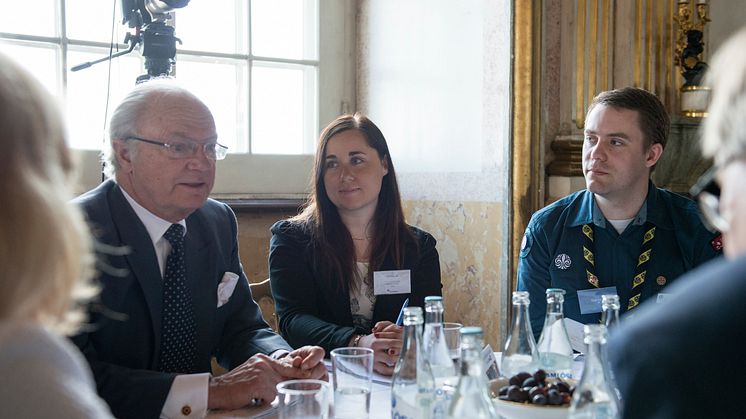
(684, 358)
(123, 346)
(312, 310)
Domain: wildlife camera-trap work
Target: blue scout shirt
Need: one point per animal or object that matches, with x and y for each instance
(552, 250)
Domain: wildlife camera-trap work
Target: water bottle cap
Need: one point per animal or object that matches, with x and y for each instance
(433, 298)
(555, 290)
(471, 330)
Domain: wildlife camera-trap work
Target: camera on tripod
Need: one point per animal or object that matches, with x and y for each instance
(156, 38)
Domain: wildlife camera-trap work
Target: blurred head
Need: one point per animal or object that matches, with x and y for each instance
(625, 133)
(724, 137)
(45, 247)
(161, 112)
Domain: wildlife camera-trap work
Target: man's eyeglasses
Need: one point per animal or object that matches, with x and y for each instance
(187, 149)
(707, 193)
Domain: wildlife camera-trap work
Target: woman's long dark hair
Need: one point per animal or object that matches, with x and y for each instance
(334, 246)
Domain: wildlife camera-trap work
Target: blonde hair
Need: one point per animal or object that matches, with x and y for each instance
(46, 254)
(724, 130)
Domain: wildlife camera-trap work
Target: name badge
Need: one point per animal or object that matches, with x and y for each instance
(490, 363)
(392, 282)
(590, 300)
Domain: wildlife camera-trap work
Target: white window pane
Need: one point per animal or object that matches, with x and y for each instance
(222, 86)
(92, 20)
(283, 108)
(39, 60)
(29, 18)
(213, 25)
(87, 95)
(284, 29)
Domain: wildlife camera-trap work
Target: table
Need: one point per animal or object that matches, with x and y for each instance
(380, 400)
(380, 407)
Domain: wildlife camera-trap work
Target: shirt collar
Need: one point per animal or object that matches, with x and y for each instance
(587, 211)
(155, 225)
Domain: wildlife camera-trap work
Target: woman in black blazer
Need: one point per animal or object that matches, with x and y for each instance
(341, 270)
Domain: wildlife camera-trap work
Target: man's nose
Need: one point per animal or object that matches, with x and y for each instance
(199, 160)
(598, 151)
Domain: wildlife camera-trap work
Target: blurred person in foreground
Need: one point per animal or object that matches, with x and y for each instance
(46, 260)
(684, 358)
(182, 297)
(327, 265)
(622, 234)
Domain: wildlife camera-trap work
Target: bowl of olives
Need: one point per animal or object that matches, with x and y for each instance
(532, 396)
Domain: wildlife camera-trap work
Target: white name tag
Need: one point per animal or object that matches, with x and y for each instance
(490, 363)
(392, 282)
(661, 297)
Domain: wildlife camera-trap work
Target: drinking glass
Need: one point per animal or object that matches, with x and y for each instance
(453, 341)
(352, 373)
(305, 399)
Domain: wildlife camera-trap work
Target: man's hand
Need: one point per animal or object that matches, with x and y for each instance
(257, 378)
(306, 362)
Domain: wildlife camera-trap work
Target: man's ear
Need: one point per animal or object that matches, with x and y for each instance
(123, 155)
(654, 153)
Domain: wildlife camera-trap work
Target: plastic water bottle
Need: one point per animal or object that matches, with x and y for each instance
(595, 396)
(519, 353)
(555, 351)
(472, 399)
(412, 384)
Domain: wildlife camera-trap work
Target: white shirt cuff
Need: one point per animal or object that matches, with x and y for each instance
(187, 397)
(278, 354)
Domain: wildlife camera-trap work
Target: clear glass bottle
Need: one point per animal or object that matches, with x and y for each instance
(595, 396)
(519, 353)
(438, 356)
(472, 398)
(610, 310)
(555, 351)
(412, 384)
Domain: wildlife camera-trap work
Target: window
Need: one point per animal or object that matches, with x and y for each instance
(271, 71)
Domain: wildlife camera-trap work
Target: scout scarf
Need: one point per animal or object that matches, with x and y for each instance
(642, 261)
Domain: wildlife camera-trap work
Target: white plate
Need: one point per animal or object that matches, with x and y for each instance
(515, 410)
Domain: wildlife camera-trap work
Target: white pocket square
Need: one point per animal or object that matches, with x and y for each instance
(226, 287)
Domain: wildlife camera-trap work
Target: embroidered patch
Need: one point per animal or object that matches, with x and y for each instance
(562, 261)
(717, 243)
(526, 244)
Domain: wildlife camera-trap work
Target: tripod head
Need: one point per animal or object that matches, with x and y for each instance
(156, 38)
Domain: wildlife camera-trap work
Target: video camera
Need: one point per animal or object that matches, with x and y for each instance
(156, 38)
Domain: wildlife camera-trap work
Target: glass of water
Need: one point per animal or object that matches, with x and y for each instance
(453, 341)
(308, 399)
(352, 373)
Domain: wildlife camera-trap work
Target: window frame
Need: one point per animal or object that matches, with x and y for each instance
(244, 175)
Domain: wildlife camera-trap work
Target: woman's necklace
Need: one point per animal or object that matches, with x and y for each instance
(360, 238)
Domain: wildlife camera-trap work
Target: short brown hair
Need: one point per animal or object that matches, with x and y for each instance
(652, 116)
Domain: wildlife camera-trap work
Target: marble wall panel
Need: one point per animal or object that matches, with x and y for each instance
(470, 245)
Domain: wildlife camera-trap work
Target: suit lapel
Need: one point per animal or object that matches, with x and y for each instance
(142, 260)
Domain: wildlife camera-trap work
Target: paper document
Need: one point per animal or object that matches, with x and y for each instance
(376, 378)
(575, 331)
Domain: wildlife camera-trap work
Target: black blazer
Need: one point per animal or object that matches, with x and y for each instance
(312, 310)
(674, 359)
(123, 346)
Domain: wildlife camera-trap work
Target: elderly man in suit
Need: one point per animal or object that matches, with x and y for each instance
(178, 295)
(684, 358)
